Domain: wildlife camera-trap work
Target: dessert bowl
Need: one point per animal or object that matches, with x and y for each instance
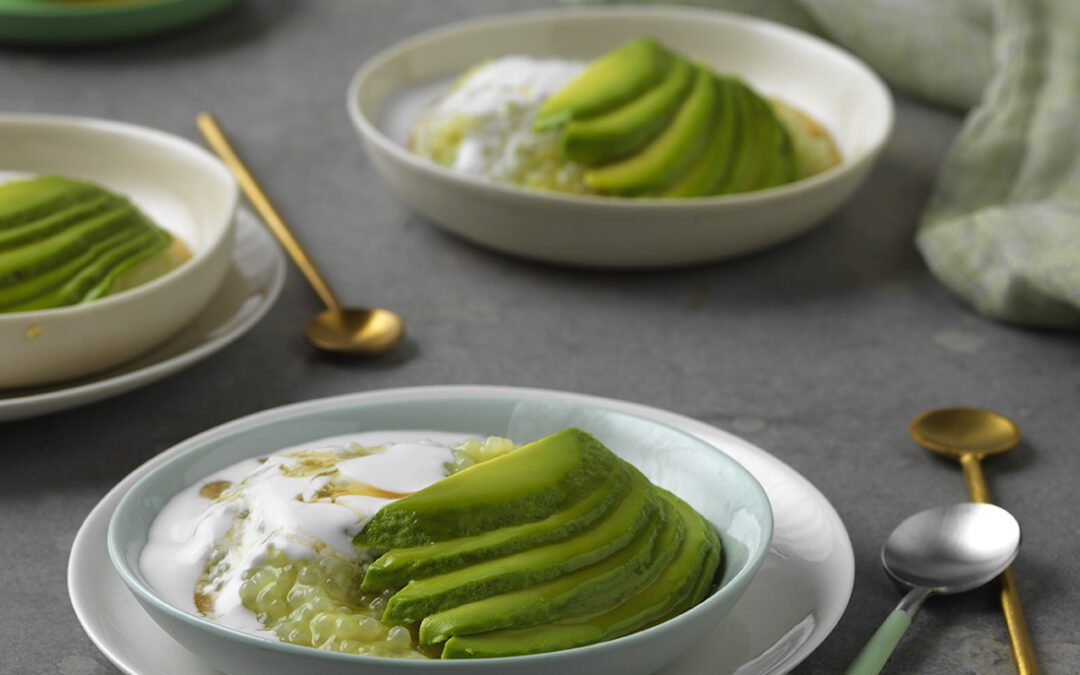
(178, 185)
(388, 93)
(718, 487)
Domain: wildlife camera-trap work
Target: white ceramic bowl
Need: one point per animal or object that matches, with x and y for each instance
(390, 90)
(180, 186)
(714, 484)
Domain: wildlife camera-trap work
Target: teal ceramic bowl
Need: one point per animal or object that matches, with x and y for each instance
(72, 23)
(709, 480)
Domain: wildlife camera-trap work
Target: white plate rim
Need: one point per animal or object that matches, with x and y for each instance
(63, 397)
(89, 542)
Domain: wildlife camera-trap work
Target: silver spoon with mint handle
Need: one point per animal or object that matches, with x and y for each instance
(943, 550)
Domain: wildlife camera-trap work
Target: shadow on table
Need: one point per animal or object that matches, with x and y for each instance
(868, 244)
(405, 351)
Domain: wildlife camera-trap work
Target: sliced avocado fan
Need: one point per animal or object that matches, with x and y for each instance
(587, 549)
(66, 241)
(399, 566)
(529, 484)
(646, 122)
(628, 128)
(663, 160)
(613, 79)
(683, 582)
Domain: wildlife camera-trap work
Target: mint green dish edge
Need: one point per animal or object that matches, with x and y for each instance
(50, 23)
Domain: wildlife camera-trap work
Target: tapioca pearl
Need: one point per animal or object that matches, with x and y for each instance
(399, 637)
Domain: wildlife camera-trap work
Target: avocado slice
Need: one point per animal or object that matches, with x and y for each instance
(697, 558)
(707, 575)
(608, 82)
(90, 275)
(423, 597)
(709, 171)
(767, 164)
(15, 234)
(782, 160)
(588, 590)
(746, 135)
(399, 566)
(765, 152)
(629, 128)
(23, 201)
(523, 486)
(661, 162)
(64, 241)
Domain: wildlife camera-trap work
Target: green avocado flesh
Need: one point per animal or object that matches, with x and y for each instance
(526, 568)
(588, 591)
(663, 160)
(711, 136)
(612, 558)
(65, 241)
(399, 566)
(629, 128)
(704, 177)
(526, 485)
(610, 81)
(682, 583)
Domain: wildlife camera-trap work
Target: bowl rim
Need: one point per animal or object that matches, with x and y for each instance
(335, 404)
(848, 163)
(108, 10)
(222, 227)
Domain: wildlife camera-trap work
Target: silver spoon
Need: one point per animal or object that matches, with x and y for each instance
(948, 549)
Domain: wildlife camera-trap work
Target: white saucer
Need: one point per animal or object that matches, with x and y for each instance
(252, 284)
(795, 601)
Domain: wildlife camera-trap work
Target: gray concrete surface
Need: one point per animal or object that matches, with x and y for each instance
(819, 351)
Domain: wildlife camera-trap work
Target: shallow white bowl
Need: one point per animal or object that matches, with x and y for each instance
(180, 186)
(713, 483)
(838, 90)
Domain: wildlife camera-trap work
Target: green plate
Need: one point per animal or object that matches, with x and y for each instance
(60, 23)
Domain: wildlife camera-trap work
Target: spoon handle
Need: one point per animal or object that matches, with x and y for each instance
(881, 645)
(217, 140)
(1023, 652)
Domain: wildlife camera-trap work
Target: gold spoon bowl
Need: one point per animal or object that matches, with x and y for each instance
(956, 431)
(344, 330)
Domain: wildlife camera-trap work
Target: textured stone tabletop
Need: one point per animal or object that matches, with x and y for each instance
(820, 351)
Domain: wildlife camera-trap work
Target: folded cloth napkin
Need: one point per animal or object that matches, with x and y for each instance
(1002, 229)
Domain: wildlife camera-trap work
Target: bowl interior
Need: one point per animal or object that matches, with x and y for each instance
(178, 185)
(713, 483)
(822, 80)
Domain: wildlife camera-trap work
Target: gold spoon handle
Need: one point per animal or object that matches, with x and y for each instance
(215, 137)
(1023, 653)
(975, 478)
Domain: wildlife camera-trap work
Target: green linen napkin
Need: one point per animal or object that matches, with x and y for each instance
(1002, 229)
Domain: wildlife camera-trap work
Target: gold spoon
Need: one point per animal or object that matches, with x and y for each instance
(969, 435)
(357, 330)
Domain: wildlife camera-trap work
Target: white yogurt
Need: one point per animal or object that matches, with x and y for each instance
(500, 99)
(306, 499)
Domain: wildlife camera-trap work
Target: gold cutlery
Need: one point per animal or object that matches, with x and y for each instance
(355, 330)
